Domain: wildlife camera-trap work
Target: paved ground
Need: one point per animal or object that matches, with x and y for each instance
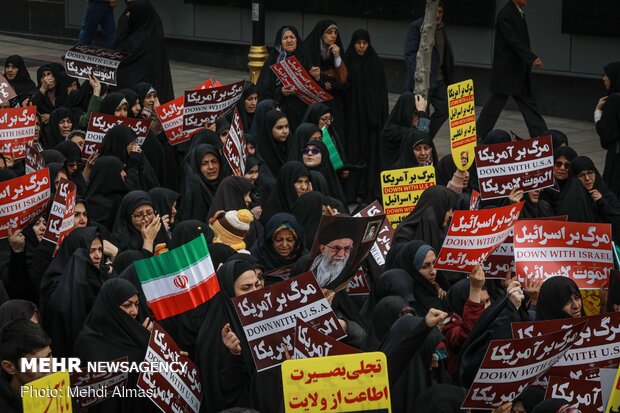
(582, 136)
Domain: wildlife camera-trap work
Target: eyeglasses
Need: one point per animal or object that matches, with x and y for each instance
(585, 174)
(559, 164)
(338, 248)
(143, 215)
(326, 119)
(311, 151)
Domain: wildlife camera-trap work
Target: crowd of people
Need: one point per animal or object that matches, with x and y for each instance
(136, 201)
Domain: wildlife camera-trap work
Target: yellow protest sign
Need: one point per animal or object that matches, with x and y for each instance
(49, 394)
(613, 405)
(462, 115)
(347, 383)
(401, 189)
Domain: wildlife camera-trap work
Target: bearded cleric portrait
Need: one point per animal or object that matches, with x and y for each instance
(341, 244)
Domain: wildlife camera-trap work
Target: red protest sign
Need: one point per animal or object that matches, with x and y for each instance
(171, 116)
(81, 61)
(383, 242)
(525, 165)
(60, 222)
(99, 124)
(312, 343)
(584, 395)
(596, 348)
(34, 160)
(269, 315)
(23, 199)
(17, 128)
(474, 200)
(577, 250)
(6, 90)
(234, 147)
(509, 366)
(172, 391)
(474, 235)
(92, 388)
(292, 74)
(206, 105)
(357, 284)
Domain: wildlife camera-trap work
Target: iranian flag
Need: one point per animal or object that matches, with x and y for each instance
(178, 280)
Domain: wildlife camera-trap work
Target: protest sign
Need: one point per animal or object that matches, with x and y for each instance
(23, 199)
(608, 383)
(462, 118)
(278, 274)
(6, 90)
(504, 167)
(584, 395)
(613, 405)
(60, 221)
(344, 383)
(34, 161)
(82, 60)
(17, 128)
(99, 124)
(401, 189)
(597, 346)
(474, 235)
(269, 315)
(358, 285)
(310, 342)
(204, 106)
(474, 200)
(340, 245)
(234, 147)
(90, 388)
(49, 394)
(581, 251)
(171, 391)
(292, 74)
(171, 115)
(509, 366)
(382, 245)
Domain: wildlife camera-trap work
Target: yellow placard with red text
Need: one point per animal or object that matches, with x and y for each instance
(347, 383)
(49, 394)
(401, 189)
(462, 117)
(613, 405)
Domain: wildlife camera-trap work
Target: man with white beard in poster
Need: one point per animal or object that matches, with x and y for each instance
(335, 250)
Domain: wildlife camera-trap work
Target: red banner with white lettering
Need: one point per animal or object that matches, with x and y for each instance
(509, 366)
(100, 124)
(269, 316)
(598, 345)
(383, 242)
(292, 74)
(171, 115)
(310, 342)
(581, 251)
(584, 395)
(17, 128)
(6, 90)
(61, 220)
(206, 105)
(234, 147)
(504, 167)
(93, 388)
(23, 200)
(474, 235)
(34, 161)
(358, 285)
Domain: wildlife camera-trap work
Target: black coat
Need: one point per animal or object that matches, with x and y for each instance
(512, 56)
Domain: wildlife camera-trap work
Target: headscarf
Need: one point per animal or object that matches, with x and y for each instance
(262, 108)
(230, 195)
(530, 397)
(312, 115)
(263, 249)
(105, 191)
(246, 118)
(497, 136)
(274, 152)
(550, 406)
(326, 168)
(163, 199)
(115, 142)
(16, 310)
(395, 282)
(188, 230)
(142, 89)
(45, 105)
(125, 235)
(112, 102)
(284, 197)
(51, 156)
(441, 398)
(22, 82)
(558, 138)
(125, 259)
(131, 97)
(554, 294)
(315, 49)
(52, 136)
(385, 313)
(407, 157)
(612, 70)
(198, 192)
(300, 138)
(308, 209)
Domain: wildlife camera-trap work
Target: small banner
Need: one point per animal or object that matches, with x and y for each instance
(462, 117)
(17, 129)
(234, 147)
(383, 243)
(269, 315)
(345, 383)
(474, 235)
(49, 394)
(99, 124)
(312, 343)
(292, 74)
(334, 155)
(93, 388)
(60, 222)
(581, 251)
(401, 189)
(6, 90)
(504, 167)
(584, 395)
(509, 366)
(82, 61)
(358, 285)
(23, 200)
(34, 160)
(206, 105)
(178, 280)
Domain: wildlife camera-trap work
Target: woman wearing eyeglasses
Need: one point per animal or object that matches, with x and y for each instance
(316, 157)
(562, 157)
(323, 116)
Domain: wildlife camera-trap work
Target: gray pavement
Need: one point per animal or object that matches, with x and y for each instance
(581, 135)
